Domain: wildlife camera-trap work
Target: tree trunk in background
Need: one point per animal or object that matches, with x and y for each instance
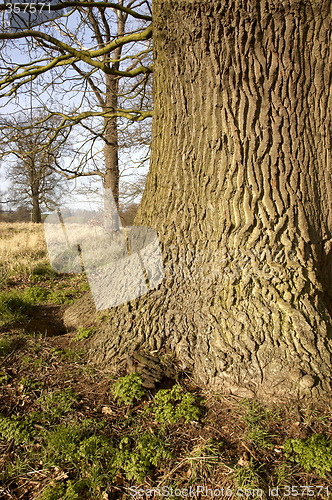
(111, 152)
(36, 212)
(240, 193)
(111, 149)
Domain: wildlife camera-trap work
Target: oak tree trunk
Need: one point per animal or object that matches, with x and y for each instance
(240, 193)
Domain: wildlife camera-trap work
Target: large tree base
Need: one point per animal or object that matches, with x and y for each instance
(259, 346)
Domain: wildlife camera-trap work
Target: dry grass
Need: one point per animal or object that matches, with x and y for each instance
(22, 247)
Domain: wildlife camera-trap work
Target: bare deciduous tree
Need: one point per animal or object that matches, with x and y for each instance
(32, 163)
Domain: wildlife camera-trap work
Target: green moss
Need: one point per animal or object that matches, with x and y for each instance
(84, 333)
(95, 460)
(4, 377)
(135, 457)
(19, 429)
(173, 405)
(32, 362)
(62, 444)
(314, 452)
(129, 389)
(68, 354)
(29, 384)
(54, 491)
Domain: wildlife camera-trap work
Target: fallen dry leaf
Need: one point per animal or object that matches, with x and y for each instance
(107, 410)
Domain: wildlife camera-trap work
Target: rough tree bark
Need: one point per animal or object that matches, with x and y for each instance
(239, 190)
(111, 153)
(111, 148)
(36, 212)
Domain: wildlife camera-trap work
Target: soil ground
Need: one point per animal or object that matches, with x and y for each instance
(48, 388)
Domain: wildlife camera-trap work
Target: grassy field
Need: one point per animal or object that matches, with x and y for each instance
(69, 430)
(22, 248)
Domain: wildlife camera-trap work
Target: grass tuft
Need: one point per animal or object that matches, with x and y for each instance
(13, 307)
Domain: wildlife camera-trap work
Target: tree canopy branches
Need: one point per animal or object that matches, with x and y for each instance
(96, 61)
(109, 5)
(71, 56)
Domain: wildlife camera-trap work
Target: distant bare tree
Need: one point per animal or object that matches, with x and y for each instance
(32, 163)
